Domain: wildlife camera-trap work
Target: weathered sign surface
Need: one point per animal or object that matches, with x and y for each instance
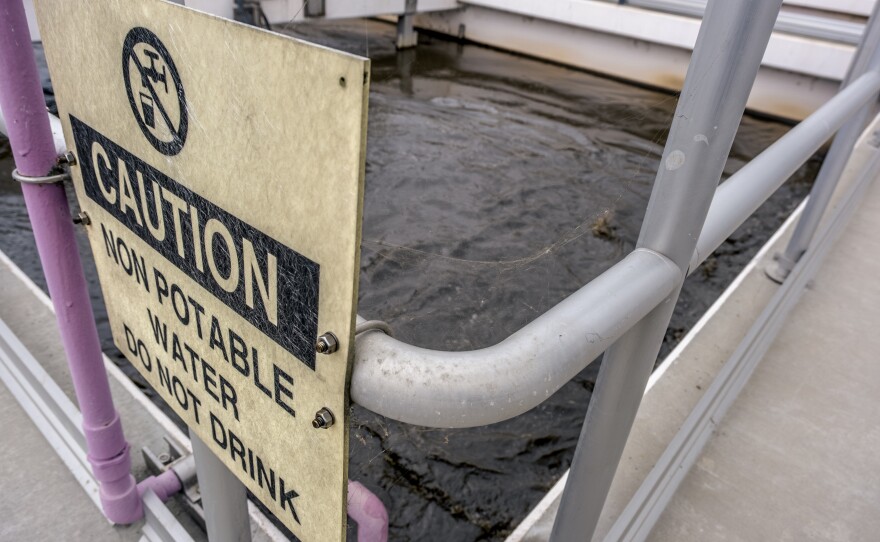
(222, 169)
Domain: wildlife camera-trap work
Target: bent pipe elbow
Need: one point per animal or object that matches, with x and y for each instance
(480, 387)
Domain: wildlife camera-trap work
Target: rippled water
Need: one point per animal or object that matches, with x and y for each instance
(496, 186)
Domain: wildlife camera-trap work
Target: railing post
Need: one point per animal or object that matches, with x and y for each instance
(406, 36)
(223, 496)
(725, 62)
(867, 58)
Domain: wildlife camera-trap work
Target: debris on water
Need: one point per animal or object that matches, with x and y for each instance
(603, 228)
(709, 267)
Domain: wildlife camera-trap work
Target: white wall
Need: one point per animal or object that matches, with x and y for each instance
(223, 8)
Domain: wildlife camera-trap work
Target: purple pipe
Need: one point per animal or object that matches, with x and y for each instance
(163, 485)
(367, 510)
(21, 100)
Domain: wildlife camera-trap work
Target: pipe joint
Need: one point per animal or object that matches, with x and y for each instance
(164, 485)
(114, 468)
(118, 490)
(104, 441)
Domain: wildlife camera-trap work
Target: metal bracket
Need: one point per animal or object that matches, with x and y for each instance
(370, 325)
(48, 179)
(779, 269)
(58, 174)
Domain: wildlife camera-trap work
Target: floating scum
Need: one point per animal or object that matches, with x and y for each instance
(225, 224)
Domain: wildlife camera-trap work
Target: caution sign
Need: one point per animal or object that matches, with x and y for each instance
(222, 169)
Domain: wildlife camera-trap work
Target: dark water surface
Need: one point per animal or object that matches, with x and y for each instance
(496, 186)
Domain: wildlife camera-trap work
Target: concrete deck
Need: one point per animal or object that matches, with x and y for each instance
(30, 510)
(796, 457)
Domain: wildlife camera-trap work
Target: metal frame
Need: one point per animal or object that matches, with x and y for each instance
(867, 59)
(471, 388)
(726, 59)
(808, 26)
(741, 195)
(659, 487)
(161, 525)
(734, 201)
(407, 37)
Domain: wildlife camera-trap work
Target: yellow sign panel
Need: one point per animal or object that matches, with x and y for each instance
(222, 169)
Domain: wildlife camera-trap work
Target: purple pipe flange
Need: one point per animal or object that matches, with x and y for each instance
(163, 485)
(23, 106)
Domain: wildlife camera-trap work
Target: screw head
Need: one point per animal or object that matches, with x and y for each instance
(82, 218)
(70, 158)
(323, 419)
(327, 344)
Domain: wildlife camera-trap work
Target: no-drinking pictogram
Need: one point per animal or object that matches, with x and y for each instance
(155, 91)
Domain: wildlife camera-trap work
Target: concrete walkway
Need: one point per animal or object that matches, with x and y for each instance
(796, 457)
(42, 500)
(38, 507)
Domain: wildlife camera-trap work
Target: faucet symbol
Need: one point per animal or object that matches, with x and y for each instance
(152, 73)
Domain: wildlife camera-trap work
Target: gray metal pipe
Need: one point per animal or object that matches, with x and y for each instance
(800, 24)
(223, 496)
(469, 389)
(725, 62)
(867, 59)
(741, 195)
(444, 378)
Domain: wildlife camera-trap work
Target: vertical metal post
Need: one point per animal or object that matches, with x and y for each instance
(867, 58)
(314, 8)
(33, 147)
(406, 36)
(726, 59)
(224, 498)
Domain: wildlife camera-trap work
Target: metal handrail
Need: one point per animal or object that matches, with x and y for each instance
(798, 24)
(467, 389)
(737, 198)
(471, 388)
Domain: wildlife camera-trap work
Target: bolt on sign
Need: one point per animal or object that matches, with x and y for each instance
(222, 167)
